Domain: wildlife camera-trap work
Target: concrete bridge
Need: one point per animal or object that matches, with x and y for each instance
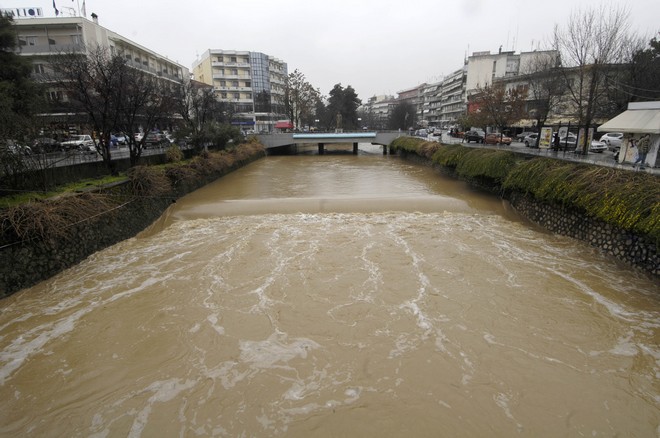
(289, 141)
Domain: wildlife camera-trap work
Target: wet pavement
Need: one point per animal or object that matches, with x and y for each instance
(601, 159)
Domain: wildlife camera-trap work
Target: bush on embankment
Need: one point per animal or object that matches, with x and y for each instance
(42, 237)
(627, 200)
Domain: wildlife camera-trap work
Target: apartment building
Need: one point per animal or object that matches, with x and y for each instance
(453, 100)
(431, 103)
(42, 38)
(252, 82)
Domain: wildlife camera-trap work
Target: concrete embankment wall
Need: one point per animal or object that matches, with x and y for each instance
(25, 263)
(634, 250)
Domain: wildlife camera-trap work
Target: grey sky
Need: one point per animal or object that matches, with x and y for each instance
(376, 46)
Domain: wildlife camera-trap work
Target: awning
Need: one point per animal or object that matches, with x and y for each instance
(640, 118)
(284, 125)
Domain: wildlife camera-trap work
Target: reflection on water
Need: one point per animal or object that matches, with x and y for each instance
(335, 296)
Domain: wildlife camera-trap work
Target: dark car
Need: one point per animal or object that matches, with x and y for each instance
(156, 139)
(43, 145)
(476, 136)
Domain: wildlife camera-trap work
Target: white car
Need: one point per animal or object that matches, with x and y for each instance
(530, 140)
(80, 142)
(597, 146)
(613, 140)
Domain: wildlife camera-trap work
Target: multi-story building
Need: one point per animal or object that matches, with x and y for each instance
(414, 97)
(252, 82)
(453, 100)
(431, 98)
(377, 111)
(41, 39)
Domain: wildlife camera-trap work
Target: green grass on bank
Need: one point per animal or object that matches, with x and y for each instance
(625, 199)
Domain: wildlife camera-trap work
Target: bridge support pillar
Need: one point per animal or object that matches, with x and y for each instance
(384, 149)
(355, 148)
(321, 149)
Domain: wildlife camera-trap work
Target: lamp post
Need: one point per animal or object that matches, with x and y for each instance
(359, 123)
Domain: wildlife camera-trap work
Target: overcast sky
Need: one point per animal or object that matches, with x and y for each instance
(376, 46)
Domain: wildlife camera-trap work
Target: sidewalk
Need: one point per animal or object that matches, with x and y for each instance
(600, 159)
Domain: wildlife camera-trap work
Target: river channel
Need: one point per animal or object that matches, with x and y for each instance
(335, 295)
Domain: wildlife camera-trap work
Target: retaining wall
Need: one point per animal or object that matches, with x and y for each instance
(25, 263)
(635, 250)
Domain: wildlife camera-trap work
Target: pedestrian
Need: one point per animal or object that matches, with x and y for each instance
(642, 149)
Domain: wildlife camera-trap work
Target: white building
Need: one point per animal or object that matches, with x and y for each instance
(252, 82)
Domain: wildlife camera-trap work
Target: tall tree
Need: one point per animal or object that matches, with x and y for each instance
(300, 99)
(20, 96)
(343, 104)
(591, 41)
(403, 116)
(94, 85)
(545, 87)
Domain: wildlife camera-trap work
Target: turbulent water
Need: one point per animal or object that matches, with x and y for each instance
(335, 295)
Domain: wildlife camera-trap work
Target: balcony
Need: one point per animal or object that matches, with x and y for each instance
(230, 64)
(52, 49)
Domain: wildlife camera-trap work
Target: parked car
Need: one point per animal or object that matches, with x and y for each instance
(421, 133)
(12, 147)
(44, 145)
(79, 142)
(88, 149)
(521, 137)
(156, 139)
(121, 138)
(597, 146)
(613, 140)
(474, 135)
(568, 142)
(530, 140)
(495, 138)
(138, 136)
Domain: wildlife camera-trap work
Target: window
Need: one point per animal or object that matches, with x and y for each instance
(38, 69)
(237, 96)
(76, 39)
(27, 41)
(223, 83)
(233, 59)
(219, 58)
(234, 84)
(51, 42)
(234, 71)
(223, 95)
(248, 84)
(55, 96)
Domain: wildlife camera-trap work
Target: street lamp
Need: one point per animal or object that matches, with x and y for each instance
(359, 123)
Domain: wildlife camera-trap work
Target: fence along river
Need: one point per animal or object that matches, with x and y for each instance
(335, 295)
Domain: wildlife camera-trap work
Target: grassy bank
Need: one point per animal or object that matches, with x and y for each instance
(625, 199)
(54, 215)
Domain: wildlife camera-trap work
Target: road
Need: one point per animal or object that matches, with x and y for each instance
(601, 159)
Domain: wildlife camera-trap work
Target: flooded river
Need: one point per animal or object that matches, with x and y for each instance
(335, 295)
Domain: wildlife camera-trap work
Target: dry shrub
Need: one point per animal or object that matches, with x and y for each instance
(173, 154)
(427, 149)
(248, 150)
(148, 181)
(179, 175)
(53, 218)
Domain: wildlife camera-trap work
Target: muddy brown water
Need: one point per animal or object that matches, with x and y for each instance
(335, 295)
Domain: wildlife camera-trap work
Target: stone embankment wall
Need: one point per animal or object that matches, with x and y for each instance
(26, 263)
(632, 249)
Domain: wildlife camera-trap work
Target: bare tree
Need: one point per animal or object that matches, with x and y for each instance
(93, 85)
(545, 87)
(300, 97)
(592, 41)
(146, 100)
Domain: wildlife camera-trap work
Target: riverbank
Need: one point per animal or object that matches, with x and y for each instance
(614, 210)
(40, 239)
